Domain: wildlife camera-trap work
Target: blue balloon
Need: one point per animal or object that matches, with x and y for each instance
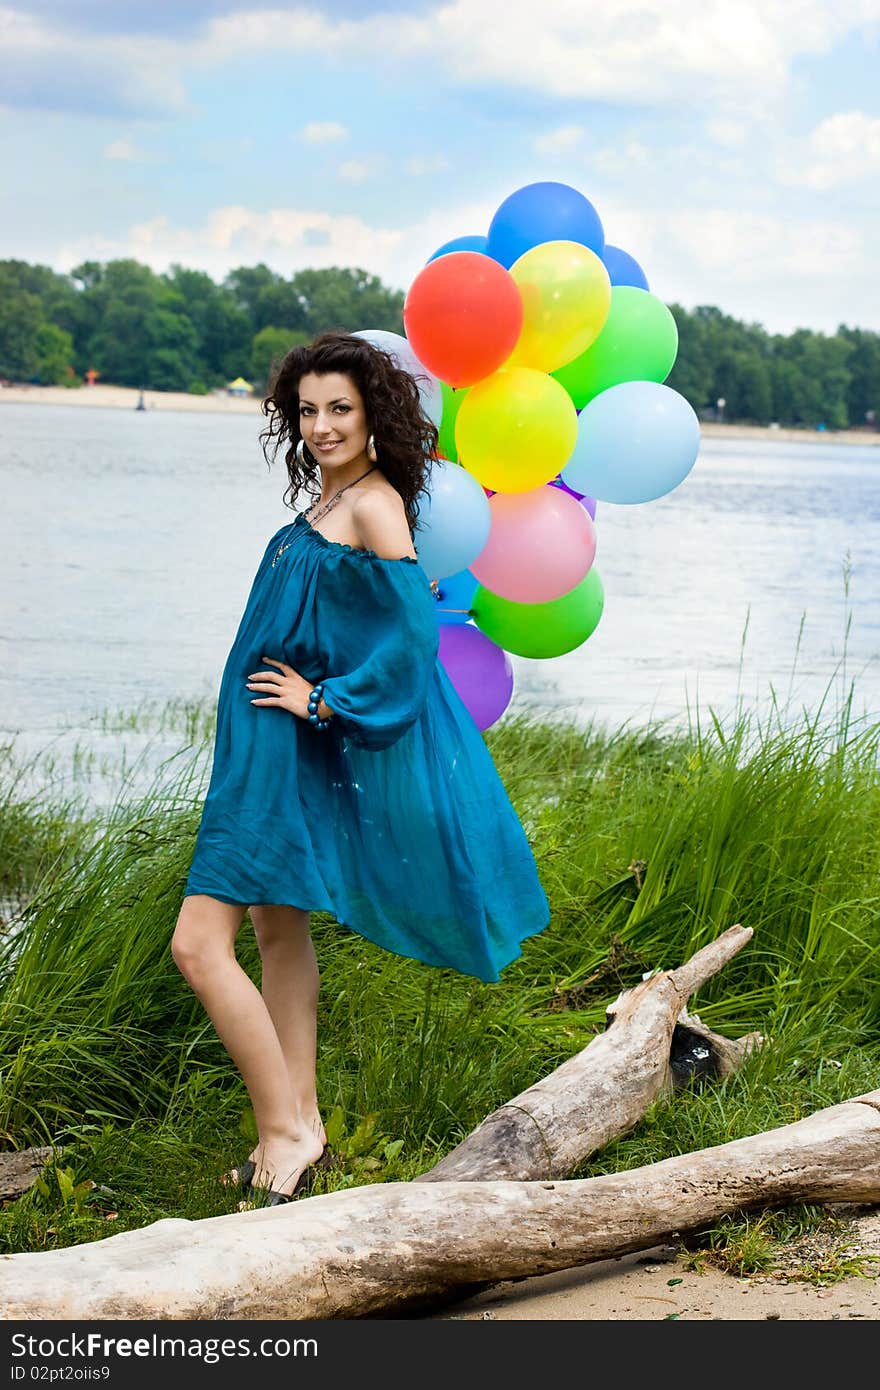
(623, 269)
(460, 243)
(636, 442)
(454, 597)
(543, 212)
(454, 520)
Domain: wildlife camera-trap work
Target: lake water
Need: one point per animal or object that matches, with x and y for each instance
(129, 542)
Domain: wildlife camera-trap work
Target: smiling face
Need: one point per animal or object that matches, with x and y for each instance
(332, 419)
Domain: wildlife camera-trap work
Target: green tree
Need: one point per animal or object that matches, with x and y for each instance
(20, 318)
(56, 293)
(347, 299)
(691, 374)
(268, 348)
(863, 393)
(264, 296)
(812, 387)
(744, 382)
(143, 337)
(54, 347)
(223, 328)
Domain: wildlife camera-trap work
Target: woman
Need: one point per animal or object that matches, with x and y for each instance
(348, 777)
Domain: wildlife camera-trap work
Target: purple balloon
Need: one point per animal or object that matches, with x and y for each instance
(589, 505)
(557, 482)
(480, 670)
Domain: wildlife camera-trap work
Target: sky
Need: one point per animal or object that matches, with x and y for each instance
(731, 146)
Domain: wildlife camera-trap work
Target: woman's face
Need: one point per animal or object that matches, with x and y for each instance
(332, 418)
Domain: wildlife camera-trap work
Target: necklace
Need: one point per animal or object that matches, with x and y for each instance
(323, 509)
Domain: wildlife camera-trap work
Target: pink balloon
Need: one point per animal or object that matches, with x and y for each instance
(480, 670)
(541, 544)
(588, 502)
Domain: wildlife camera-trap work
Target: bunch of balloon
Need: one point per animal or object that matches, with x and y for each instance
(549, 350)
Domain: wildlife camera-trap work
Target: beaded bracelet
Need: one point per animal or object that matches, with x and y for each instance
(314, 701)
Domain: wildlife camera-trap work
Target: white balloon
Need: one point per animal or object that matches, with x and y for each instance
(399, 348)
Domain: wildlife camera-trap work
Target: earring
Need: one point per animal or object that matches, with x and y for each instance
(371, 449)
(301, 453)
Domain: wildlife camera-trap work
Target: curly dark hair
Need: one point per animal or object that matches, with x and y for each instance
(405, 439)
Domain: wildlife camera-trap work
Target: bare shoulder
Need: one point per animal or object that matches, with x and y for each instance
(379, 518)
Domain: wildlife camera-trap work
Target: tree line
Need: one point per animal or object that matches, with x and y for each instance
(183, 331)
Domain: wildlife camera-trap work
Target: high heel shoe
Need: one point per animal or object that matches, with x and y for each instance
(240, 1176)
(325, 1161)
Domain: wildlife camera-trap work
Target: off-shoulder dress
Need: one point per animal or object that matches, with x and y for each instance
(394, 819)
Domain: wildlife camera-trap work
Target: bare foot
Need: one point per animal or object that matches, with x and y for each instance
(281, 1163)
(250, 1173)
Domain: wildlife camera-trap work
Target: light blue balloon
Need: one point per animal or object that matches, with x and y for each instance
(454, 520)
(636, 442)
(461, 243)
(400, 349)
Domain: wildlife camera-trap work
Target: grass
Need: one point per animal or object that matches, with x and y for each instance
(648, 842)
(804, 1244)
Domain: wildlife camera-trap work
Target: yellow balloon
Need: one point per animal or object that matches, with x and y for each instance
(516, 429)
(566, 295)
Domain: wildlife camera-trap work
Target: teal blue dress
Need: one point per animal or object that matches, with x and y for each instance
(393, 819)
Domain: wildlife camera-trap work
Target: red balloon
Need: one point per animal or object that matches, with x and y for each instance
(463, 315)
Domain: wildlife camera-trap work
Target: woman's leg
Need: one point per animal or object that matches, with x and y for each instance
(290, 988)
(203, 948)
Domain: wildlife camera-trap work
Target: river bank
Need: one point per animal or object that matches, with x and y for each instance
(218, 402)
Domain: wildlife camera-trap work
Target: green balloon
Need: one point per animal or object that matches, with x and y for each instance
(541, 629)
(638, 343)
(452, 400)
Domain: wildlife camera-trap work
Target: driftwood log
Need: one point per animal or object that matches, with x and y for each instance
(393, 1246)
(602, 1092)
(20, 1169)
(495, 1208)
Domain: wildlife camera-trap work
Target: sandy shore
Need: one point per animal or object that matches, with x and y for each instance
(126, 398)
(655, 1285)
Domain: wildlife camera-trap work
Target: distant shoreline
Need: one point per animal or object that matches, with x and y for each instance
(218, 403)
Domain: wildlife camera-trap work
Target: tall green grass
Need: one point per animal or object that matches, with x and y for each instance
(648, 842)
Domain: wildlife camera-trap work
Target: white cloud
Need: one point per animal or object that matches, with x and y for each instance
(286, 239)
(120, 149)
(48, 69)
(845, 148)
(626, 51)
(564, 140)
(729, 133)
(323, 132)
(744, 247)
(359, 170)
(772, 268)
(620, 160)
(427, 164)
